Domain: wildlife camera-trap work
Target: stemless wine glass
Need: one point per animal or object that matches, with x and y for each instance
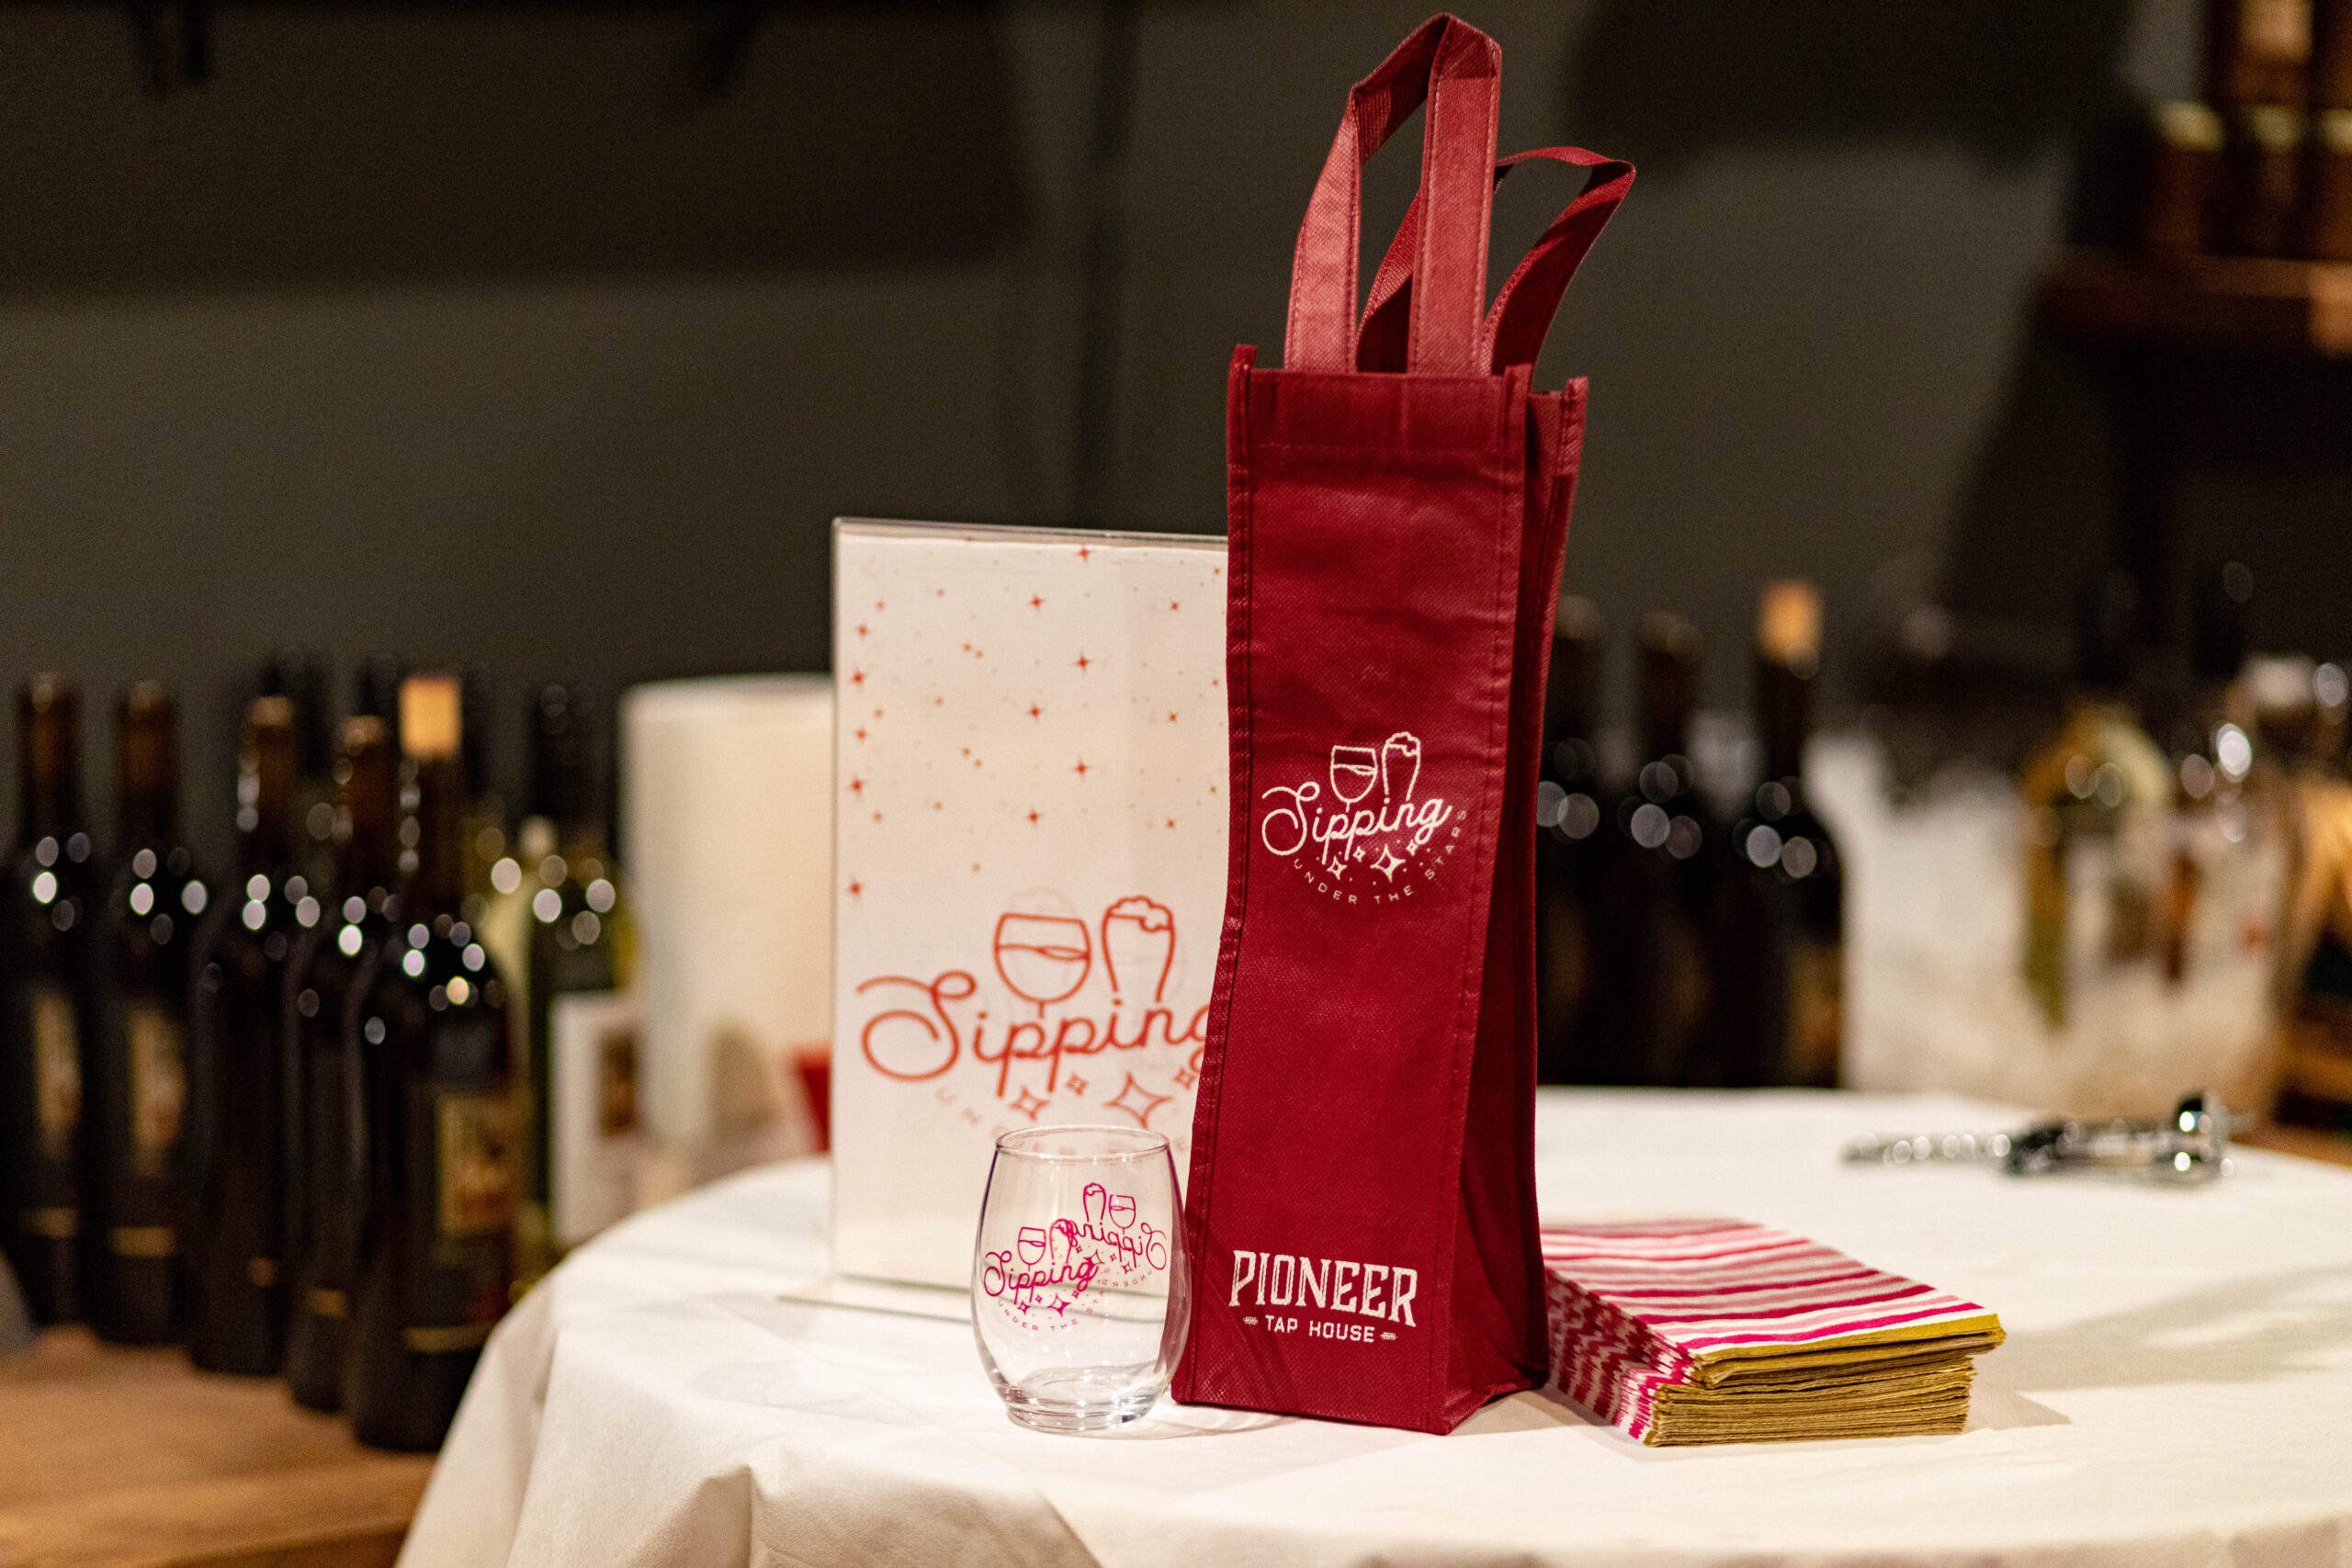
(1079, 1294)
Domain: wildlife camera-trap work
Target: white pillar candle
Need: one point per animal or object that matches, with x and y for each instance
(727, 793)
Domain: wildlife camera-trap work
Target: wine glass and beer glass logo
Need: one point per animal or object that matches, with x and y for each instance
(1375, 820)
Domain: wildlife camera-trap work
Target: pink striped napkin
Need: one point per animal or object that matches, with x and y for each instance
(1717, 1330)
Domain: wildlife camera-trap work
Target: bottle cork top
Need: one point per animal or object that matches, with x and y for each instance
(431, 721)
(1787, 623)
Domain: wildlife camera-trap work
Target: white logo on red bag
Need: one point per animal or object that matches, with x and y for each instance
(1327, 1296)
(1383, 843)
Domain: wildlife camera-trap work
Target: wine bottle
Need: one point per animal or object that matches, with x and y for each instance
(435, 1246)
(485, 812)
(303, 678)
(1654, 1003)
(1567, 848)
(237, 1066)
(52, 892)
(137, 1066)
(2098, 798)
(579, 1174)
(322, 986)
(1781, 960)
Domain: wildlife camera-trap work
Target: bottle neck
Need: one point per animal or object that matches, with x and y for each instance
(1784, 718)
(265, 808)
(437, 885)
(1669, 689)
(51, 793)
(368, 821)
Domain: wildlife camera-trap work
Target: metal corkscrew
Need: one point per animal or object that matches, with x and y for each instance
(2191, 1145)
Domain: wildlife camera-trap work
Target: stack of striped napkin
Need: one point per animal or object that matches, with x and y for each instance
(1720, 1331)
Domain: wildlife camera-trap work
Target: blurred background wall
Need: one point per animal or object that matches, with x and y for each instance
(552, 337)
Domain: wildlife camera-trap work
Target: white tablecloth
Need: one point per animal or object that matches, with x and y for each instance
(2177, 1390)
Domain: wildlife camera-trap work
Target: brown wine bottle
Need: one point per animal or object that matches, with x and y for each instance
(1781, 948)
(1653, 1006)
(138, 1066)
(52, 897)
(436, 1236)
(236, 1141)
(322, 1048)
(1568, 849)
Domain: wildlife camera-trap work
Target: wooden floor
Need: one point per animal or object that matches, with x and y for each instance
(115, 1458)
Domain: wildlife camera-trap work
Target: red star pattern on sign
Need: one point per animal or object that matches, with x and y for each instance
(1036, 603)
(1144, 1102)
(1173, 606)
(1076, 1084)
(1083, 661)
(1187, 1078)
(857, 677)
(1033, 815)
(1082, 767)
(1029, 1104)
(861, 734)
(857, 786)
(861, 630)
(1084, 551)
(1035, 711)
(856, 888)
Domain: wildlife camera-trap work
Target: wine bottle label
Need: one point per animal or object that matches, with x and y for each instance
(57, 1071)
(142, 1241)
(1816, 1020)
(593, 1142)
(477, 1162)
(158, 1088)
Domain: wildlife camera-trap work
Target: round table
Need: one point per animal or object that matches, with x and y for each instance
(2177, 1389)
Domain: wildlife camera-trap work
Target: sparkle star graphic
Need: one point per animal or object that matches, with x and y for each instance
(1084, 551)
(861, 630)
(1035, 711)
(1187, 1078)
(857, 786)
(1082, 767)
(1083, 661)
(1141, 1097)
(1033, 817)
(1029, 1104)
(861, 735)
(1389, 865)
(1036, 603)
(856, 888)
(857, 677)
(1076, 1084)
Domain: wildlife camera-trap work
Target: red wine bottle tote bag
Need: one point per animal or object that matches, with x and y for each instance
(1362, 1209)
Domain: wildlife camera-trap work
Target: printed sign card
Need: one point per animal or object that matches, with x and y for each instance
(1030, 852)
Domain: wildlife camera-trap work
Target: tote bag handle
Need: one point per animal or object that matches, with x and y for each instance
(1457, 71)
(1514, 329)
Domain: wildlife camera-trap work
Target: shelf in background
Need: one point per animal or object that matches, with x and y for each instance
(2237, 302)
(120, 1457)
